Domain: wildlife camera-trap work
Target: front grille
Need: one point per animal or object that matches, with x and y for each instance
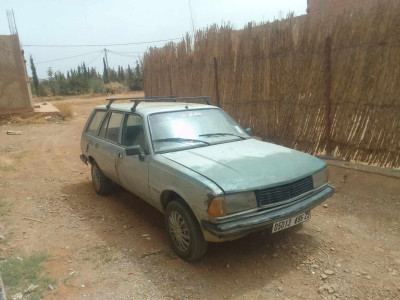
(284, 192)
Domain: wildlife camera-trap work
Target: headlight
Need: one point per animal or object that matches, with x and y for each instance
(228, 204)
(320, 178)
(240, 202)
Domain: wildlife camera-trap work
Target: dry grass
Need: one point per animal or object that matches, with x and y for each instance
(26, 118)
(19, 273)
(4, 167)
(271, 77)
(66, 109)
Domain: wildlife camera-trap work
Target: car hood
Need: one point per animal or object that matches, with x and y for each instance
(247, 164)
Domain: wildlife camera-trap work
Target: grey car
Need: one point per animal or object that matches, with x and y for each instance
(195, 164)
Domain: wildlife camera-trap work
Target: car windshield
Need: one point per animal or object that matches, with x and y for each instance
(180, 130)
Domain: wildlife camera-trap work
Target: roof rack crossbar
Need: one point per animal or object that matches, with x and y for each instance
(112, 100)
(136, 101)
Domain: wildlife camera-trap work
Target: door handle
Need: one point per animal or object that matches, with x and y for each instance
(96, 145)
(120, 155)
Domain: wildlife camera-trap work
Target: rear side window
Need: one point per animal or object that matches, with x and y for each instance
(103, 129)
(95, 122)
(114, 125)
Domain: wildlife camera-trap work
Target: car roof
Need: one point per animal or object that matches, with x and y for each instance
(146, 108)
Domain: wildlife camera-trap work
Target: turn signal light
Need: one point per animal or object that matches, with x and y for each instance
(217, 207)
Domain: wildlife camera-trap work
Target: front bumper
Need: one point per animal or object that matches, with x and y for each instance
(264, 219)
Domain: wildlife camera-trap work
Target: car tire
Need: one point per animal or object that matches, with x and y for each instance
(184, 232)
(102, 185)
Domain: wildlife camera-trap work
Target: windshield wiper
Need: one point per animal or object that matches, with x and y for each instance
(181, 140)
(222, 133)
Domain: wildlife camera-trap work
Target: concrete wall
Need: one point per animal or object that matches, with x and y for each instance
(335, 7)
(15, 93)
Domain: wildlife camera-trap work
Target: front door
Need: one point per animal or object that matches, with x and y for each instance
(133, 171)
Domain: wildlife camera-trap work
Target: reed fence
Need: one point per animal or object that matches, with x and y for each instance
(323, 86)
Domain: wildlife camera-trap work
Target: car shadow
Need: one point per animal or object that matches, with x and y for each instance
(252, 264)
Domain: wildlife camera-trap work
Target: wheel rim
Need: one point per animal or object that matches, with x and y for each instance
(179, 231)
(96, 178)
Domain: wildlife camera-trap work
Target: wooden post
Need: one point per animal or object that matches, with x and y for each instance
(328, 87)
(216, 81)
(170, 81)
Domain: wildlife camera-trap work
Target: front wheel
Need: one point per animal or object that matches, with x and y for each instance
(184, 232)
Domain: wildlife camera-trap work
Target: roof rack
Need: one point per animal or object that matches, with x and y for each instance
(136, 101)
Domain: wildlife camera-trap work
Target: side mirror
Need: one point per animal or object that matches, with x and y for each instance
(248, 130)
(133, 150)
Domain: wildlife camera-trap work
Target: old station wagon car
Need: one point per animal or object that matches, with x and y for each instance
(194, 163)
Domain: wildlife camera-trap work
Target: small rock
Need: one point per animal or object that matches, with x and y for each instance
(2, 237)
(331, 290)
(314, 266)
(323, 276)
(30, 289)
(228, 266)
(236, 281)
(280, 289)
(275, 255)
(329, 272)
(332, 249)
(325, 205)
(338, 266)
(17, 296)
(50, 287)
(368, 277)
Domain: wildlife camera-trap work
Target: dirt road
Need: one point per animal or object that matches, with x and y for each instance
(115, 247)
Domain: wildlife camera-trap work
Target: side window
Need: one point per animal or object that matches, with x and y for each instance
(95, 122)
(133, 131)
(103, 129)
(114, 125)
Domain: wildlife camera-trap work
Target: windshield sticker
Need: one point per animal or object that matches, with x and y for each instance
(239, 129)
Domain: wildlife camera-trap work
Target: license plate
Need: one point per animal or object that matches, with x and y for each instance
(278, 226)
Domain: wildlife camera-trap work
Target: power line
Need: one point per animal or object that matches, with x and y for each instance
(63, 58)
(97, 56)
(123, 55)
(127, 52)
(103, 45)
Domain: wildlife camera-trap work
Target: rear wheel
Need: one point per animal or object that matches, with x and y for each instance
(102, 185)
(184, 232)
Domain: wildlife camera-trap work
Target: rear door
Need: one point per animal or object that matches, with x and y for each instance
(107, 145)
(133, 171)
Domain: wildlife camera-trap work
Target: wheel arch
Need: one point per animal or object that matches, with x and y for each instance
(169, 195)
(91, 160)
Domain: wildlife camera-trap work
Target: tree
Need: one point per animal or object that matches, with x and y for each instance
(51, 80)
(34, 76)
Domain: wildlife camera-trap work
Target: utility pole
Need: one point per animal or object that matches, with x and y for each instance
(105, 56)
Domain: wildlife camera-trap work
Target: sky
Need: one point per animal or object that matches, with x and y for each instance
(98, 22)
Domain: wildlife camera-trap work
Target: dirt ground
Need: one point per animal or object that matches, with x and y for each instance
(115, 247)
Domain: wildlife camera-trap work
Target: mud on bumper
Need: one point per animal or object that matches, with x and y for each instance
(264, 219)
